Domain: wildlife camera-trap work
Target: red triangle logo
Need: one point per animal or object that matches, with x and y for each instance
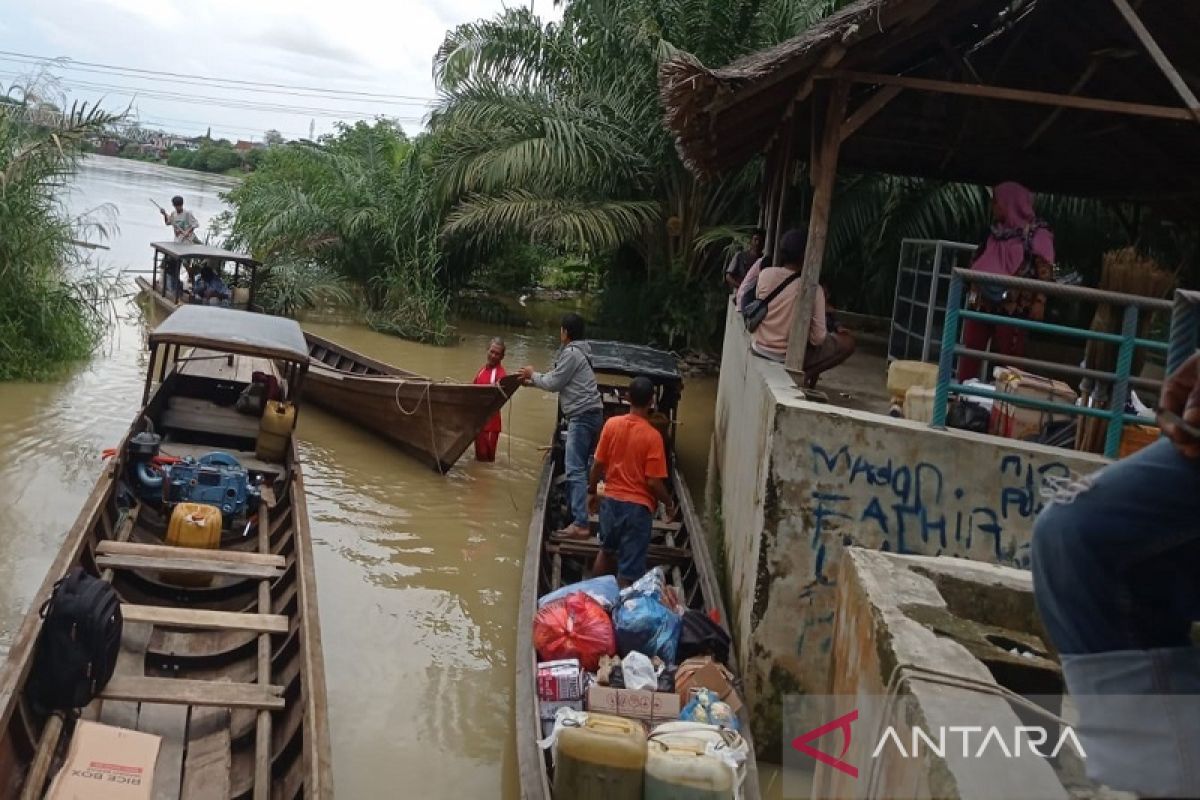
(842, 723)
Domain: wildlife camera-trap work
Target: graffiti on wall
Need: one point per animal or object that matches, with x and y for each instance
(913, 507)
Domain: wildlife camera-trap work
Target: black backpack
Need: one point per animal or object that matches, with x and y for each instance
(79, 642)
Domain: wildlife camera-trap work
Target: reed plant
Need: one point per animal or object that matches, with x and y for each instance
(54, 306)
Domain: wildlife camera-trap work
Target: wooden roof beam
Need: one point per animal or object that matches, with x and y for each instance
(1014, 95)
(1159, 57)
(870, 107)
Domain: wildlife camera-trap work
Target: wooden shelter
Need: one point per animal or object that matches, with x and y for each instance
(1085, 97)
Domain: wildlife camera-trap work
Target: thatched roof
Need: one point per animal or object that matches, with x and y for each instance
(724, 117)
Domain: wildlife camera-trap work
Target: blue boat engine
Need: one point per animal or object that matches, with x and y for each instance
(215, 479)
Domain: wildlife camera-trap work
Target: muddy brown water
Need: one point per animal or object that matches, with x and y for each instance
(418, 575)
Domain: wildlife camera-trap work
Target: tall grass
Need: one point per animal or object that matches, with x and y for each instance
(52, 309)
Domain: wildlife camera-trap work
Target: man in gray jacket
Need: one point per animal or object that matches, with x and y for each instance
(572, 377)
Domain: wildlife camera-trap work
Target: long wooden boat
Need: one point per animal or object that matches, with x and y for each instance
(433, 421)
(228, 668)
(550, 563)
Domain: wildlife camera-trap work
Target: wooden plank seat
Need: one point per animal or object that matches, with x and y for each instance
(247, 458)
(204, 619)
(205, 416)
(657, 554)
(658, 525)
(226, 569)
(180, 691)
(111, 548)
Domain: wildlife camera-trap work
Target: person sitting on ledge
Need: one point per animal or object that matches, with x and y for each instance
(826, 348)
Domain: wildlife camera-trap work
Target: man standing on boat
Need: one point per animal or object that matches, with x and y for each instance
(579, 399)
(490, 375)
(632, 462)
(183, 225)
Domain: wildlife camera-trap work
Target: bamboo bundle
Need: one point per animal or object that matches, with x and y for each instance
(1128, 273)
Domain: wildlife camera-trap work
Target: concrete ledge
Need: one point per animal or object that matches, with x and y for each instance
(799, 482)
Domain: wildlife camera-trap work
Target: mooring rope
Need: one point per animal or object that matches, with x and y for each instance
(425, 395)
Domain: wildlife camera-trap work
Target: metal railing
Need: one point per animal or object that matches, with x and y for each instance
(1185, 319)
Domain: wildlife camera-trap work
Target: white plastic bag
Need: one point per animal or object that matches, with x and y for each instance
(638, 671)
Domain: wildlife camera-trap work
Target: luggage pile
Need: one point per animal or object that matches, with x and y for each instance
(634, 693)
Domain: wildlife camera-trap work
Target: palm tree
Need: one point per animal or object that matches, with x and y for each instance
(555, 131)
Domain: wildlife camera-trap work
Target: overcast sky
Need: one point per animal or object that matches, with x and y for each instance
(366, 46)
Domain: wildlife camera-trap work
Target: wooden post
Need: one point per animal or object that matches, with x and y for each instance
(818, 227)
(784, 168)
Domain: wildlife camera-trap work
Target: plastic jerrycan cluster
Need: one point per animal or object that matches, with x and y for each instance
(602, 759)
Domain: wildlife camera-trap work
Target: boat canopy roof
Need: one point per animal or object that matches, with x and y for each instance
(183, 250)
(228, 330)
(633, 360)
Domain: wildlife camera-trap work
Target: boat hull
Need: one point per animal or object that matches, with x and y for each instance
(695, 576)
(210, 746)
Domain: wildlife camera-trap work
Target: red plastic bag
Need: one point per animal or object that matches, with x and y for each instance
(574, 627)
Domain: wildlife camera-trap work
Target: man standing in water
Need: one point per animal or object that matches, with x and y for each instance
(632, 462)
(489, 375)
(183, 225)
(575, 382)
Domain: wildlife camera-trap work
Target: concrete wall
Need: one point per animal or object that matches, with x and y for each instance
(907, 615)
(798, 482)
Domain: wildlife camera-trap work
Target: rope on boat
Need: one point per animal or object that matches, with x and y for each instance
(428, 407)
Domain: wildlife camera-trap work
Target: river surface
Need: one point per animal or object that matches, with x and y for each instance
(418, 575)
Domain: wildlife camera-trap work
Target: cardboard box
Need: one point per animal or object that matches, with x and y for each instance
(1022, 422)
(634, 703)
(106, 763)
(560, 680)
(711, 677)
(548, 708)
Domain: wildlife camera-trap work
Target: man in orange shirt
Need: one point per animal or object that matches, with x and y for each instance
(490, 373)
(633, 463)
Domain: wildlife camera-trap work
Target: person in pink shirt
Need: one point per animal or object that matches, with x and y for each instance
(826, 348)
(1018, 244)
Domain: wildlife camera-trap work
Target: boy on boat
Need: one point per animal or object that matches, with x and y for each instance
(183, 225)
(489, 375)
(632, 461)
(575, 382)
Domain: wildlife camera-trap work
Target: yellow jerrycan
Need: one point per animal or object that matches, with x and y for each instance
(275, 430)
(603, 759)
(193, 525)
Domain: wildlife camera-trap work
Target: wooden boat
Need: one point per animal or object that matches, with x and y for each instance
(434, 421)
(239, 270)
(549, 563)
(226, 669)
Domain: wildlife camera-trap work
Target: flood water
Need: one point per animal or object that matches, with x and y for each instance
(418, 575)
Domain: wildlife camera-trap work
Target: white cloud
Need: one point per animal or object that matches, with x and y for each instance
(349, 45)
